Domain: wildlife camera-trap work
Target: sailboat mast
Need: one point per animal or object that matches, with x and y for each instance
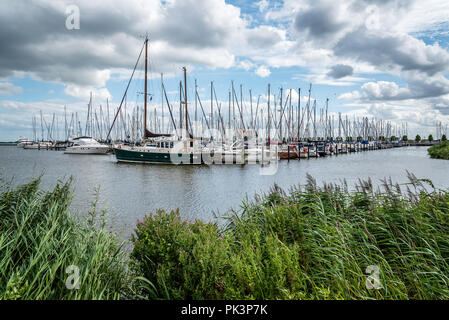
(185, 97)
(146, 79)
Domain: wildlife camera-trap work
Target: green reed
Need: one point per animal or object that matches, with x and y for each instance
(311, 243)
(40, 239)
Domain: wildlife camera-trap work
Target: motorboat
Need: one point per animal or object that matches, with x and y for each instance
(23, 142)
(86, 145)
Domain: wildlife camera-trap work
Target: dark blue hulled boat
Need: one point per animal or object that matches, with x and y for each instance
(159, 148)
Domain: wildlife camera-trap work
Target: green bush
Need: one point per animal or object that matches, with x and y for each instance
(39, 240)
(313, 243)
(439, 151)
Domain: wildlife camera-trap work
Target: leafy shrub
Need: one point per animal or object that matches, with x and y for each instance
(439, 151)
(313, 243)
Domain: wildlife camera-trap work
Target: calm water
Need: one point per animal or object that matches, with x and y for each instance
(128, 191)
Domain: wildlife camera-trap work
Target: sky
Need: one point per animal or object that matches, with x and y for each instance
(384, 59)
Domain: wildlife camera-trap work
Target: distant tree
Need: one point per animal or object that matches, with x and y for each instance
(430, 138)
(444, 138)
(404, 138)
(418, 138)
(349, 139)
(359, 138)
(393, 138)
(382, 138)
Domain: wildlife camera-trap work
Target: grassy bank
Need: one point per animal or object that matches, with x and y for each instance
(40, 240)
(312, 243)
(439, 151)
(309, 243)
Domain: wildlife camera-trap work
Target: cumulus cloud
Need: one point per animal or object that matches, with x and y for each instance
(401, 52)
(85, 92)
(109, 37)
(9, 89)
(375, 36)
(441, 104)
(320, 21)
(418, 88)
(340, 71)
(245, 65)
(337, 43)
(263, 72)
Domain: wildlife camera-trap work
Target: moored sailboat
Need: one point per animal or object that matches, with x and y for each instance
(160, 148)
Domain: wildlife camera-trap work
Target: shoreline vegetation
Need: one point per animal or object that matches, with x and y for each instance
(439, 151)
(313, 242)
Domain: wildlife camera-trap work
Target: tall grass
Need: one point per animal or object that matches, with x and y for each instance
(311, 243)
(40, 239)
(439, 151)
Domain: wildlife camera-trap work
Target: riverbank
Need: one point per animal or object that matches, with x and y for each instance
(310, 243)
(439, 151)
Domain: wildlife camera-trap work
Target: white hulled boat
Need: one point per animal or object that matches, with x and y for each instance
(86, 145)
(23, 142)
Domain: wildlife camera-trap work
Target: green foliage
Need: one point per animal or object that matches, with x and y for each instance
(313, 243)
(393, 138)
(439, 151)
(430, 138)
(418, 138)
(39, 239)
(443, 137)
(404, 138)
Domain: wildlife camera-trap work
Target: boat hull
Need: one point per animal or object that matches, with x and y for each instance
(87, 150)
(165, 157)
(140, 156)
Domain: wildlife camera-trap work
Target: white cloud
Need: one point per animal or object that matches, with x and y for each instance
(263, 72)
(354, 95)
(245, 65)
(9, 89)
(262, 5)
(85, 92)
(383, 90)
(108, 43)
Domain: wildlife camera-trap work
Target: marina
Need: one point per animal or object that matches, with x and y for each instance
(282, 132)
(224, 150)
